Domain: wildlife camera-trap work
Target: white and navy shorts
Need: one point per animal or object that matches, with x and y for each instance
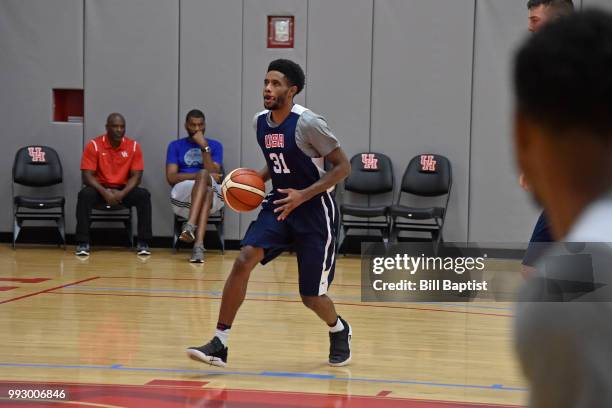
(181, 197)
(310, 231)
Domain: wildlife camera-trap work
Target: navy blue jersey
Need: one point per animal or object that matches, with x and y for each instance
(294, 152)
(288, 164)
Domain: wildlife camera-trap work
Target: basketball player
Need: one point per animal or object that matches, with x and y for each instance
(541, 12)
(298, 213)
(563, 140)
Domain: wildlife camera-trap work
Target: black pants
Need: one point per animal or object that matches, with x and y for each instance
(138, 197)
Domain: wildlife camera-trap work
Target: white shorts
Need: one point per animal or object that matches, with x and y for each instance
(181, 197)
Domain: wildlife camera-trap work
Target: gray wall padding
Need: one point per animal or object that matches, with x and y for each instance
(400, 77)
(41, 48)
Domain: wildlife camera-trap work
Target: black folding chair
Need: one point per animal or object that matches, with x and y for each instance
(371, 175)
(427, 177)
(39, 169)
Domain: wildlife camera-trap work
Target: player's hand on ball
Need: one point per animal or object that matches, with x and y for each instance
(286, 205)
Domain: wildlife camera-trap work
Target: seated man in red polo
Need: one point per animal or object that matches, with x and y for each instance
(111, 169)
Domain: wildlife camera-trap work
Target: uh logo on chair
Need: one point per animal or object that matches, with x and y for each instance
(37, 154)
(369, 160)
(428, 163)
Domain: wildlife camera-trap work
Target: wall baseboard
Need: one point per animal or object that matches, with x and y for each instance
(116, 237)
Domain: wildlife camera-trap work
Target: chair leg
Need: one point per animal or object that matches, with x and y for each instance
(130, 234)
(16, 230)
(341, 237)
(436, 238)
(175, 235)
(221, 235)
(61, 226)
(130, 229)
(385, 237)
(393, 231)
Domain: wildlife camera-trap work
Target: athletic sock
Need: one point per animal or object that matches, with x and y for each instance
(338, 327)
(222, 332)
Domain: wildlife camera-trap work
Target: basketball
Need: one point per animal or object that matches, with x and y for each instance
(243, 190)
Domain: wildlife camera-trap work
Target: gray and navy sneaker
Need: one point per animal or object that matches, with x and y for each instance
(197, 255)
(213, 353)
(82, 249)
(340, 345)
(188, 232)
(143, 249)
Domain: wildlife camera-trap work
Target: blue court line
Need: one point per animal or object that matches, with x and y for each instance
(298, 375)
(272, 294)
(331, 377)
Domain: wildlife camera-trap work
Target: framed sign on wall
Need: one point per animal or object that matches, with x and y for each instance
(280, 31)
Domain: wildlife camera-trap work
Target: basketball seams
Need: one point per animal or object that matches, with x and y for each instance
(251, 189)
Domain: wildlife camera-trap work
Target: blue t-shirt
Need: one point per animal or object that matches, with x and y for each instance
(188, 156)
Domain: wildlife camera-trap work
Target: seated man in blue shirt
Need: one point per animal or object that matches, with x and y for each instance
(193, 169)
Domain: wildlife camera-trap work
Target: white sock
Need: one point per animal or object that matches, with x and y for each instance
(223, 335)
(338, 327)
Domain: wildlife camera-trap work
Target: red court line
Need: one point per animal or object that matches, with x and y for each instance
(5, 288)
(47, 290)
(217, 280)
(278, 300)
(383, 393)
(24, 280)
(162, 396)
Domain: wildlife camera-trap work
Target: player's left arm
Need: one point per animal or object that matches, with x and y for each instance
(340, 170)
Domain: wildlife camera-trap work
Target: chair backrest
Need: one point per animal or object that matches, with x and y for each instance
(372, 173)
(427, 175)
(37, 166)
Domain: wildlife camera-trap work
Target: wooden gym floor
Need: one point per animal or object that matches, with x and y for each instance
(111, 331)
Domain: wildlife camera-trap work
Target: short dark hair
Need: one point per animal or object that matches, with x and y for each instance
(559, 7)
(562, 74)
(292, 71)
(196, 114)
(114, 115)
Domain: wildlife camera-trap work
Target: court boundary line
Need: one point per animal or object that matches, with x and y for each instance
(47, 290)
(331, 377)
(251, 390)
(281, 300)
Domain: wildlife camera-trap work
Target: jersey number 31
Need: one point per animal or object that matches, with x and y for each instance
(279, 163)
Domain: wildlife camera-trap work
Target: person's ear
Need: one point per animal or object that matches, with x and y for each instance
(293, 90)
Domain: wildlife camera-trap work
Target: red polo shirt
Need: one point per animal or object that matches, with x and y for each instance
(112, 166)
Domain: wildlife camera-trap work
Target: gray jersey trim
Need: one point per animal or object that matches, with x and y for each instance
(312, 134)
